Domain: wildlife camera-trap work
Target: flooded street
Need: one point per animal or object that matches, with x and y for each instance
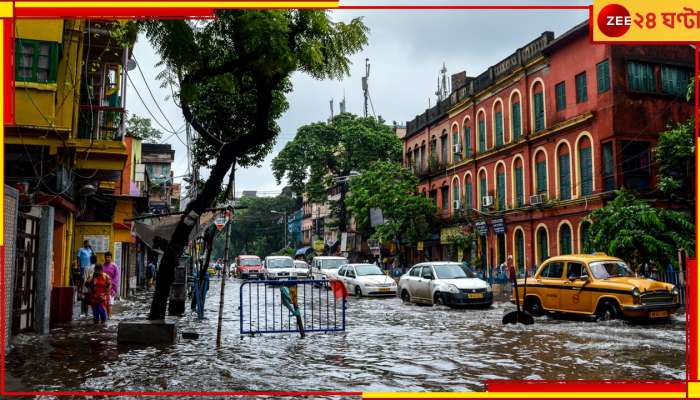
(387, 346)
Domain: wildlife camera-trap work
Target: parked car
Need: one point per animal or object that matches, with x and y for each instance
(443, 282)
(279, 267)
(302, 269)
(366, 280)
(247, 267)
(326, 267)
(596, 285)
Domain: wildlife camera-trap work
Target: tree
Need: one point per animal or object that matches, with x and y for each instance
(390, 187)
(633, 230)
(141, 128)
(323, 151)
(232, 73)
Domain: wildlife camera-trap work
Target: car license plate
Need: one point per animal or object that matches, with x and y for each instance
(658, 314)
(475, 295)
(384, 289)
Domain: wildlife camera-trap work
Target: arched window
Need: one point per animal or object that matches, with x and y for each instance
(585, 165)
(456, 195)
(416, 158)
(501, 186)
(542, 245)
(456, 144)
(468, 192)
(483, 189)
(538, 106)
(422, 156)
(564, 239)
(541, 173)
(443, 147)
(467, 139)
(564, 164)
(519, 250)
(585, 245)
(498, 123)
(481, 131)
(518, 183)
(515, 117)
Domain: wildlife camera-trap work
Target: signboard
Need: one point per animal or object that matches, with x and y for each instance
(376, 217)
(344, 242)
(220, 221)
(318, 246)
(99, 243)
(117, 254)
(482, 228)
(419, 246)
(499, 227)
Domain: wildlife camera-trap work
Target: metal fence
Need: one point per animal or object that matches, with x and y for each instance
(265, 307)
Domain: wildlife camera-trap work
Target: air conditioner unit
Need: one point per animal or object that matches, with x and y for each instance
(537, 199)
(487, 201)
(455, 204)
(457, 148)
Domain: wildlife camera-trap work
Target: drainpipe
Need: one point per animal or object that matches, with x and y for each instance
(69, 248)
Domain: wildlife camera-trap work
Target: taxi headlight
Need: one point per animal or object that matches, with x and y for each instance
(452, 288)
(635, 293)
(675, 291)
(489, 288)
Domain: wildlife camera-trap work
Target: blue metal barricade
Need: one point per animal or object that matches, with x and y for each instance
(263, 310)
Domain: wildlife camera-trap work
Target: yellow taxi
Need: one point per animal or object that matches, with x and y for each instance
(597, 285)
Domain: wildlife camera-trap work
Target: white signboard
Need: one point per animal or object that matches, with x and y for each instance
(117, 254)
(376, 217)
(344, 241)
(99, 243)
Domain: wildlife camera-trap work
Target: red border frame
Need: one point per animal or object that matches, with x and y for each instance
(491, 386)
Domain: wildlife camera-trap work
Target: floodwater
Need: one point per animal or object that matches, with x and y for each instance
(387, 346)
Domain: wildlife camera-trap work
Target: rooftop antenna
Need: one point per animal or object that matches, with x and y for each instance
(365, 85)
(341, 105)
(331, 109)
(445, 90)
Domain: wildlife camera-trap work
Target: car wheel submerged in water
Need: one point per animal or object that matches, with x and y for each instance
(358, 291)
(533, 306)
(438, 299)
(607, 311)
(405, 296)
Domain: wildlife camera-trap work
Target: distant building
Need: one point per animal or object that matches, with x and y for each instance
(158, 159)
(175, 197)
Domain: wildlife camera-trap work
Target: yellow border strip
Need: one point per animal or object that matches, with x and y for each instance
(523, 395)
(177, 4)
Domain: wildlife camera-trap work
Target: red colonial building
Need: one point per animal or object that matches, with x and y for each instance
(527, 149)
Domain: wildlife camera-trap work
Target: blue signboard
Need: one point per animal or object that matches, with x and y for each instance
(482, 228)
(499, 227)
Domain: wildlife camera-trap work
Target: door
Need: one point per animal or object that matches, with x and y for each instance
(25, 262)
(423, 283)
(350, 279)
(573, 298)
(551, 279)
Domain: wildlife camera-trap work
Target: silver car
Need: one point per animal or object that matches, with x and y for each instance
(366, 280)
(444, 282)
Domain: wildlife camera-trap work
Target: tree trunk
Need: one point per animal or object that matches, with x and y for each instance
(180, 238)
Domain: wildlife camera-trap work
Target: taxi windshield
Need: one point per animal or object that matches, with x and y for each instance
(610, 269)
(250, 261)
(279, 263)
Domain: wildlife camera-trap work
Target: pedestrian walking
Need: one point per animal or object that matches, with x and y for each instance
(100, 286)
(112, 270)
(150, 273)
(84, 254)
(89, 272)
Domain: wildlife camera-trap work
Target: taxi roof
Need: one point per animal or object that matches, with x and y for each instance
(584, 257)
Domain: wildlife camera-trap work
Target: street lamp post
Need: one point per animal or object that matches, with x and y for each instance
(285, 224)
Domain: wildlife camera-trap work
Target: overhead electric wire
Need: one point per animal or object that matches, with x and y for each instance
(148, 87)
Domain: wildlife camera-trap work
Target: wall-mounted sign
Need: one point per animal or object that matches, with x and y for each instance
(499, 227)
(482, 228)
(99, 243)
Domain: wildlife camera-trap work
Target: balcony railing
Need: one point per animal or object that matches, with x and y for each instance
(100, 123)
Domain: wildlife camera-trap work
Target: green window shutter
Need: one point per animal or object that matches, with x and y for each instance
(541, 177)
(586, 170)
(520, 244)
(515, 118)
(519, 195)
(501, 178)
(499, 128)
(674, 80)
(632, 76)
(467, 142)
(482, 193)
(585, 238)
(543, 244)
(603, 76)
(482, 136)
(564, 177)
(539, 112)
(581, 88)
(468, 195)
(565, 240)
(560, 94)
(456, 156)
(608, 173)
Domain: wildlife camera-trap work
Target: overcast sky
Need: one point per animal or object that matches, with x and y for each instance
(406, 50)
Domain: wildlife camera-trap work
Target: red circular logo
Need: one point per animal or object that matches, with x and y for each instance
(614, 20)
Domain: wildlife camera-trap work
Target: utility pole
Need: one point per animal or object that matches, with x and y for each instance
(230, 199)
(365, 85)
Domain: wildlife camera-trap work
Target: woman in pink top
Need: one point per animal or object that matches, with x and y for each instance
(112, 270)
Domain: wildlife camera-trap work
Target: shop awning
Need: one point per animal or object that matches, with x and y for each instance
(302, 251)
(159, 229)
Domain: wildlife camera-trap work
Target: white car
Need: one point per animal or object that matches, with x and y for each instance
(302, 269)
(279, 267)
(326, 267)
(366, 280)
(444, 282)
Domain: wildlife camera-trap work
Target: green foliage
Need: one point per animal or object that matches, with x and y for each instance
(461, 240)
(392, 188)
(633, 230)
(287, 251)
(141, 128)
(124, 33)
(675, 155)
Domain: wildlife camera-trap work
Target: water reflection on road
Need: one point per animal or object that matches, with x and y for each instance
(387, 346)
